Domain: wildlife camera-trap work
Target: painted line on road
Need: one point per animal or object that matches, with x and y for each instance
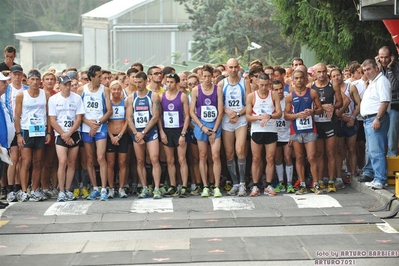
(9, 205)
(68, 208)
(387, 228)
(152, 205)
(314, 201)
(232, 204)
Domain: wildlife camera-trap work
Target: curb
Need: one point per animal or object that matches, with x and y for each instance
(382, 195)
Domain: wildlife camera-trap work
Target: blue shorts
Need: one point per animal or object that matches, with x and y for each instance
(98, 136)
(150, 136)
(200, 135)
(345, 131)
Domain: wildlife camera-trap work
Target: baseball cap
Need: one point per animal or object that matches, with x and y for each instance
(2, 77)
(72, 74)
(64, 79)
(16, 68)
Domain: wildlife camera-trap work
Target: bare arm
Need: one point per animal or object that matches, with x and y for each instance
(277, 106)
(129, 114)
(220, 109)
(108, 106)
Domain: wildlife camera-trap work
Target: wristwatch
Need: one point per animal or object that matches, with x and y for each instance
(183, 134)
(143, 132)
(238, 114)
(98, 121)
(378, 118)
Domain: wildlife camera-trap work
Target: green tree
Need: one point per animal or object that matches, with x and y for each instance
(228, 27)
(332, 29)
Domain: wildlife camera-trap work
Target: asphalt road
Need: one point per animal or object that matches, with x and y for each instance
(329, 229)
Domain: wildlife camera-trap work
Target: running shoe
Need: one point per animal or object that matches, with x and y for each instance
(122, 193)
(69, 195)
(104, 195)
(12, 197)
(111, 193)
(61, 197)
(339, 184)
(172, 192)
(85, 193)
(348, 178)
(228, 186)
(290, 188)
(316, 190)
(254, 191)
(302, 190)
(164, 190)
(242, 191)
(76, 192)
(269, 191)
(233, 191)
(42, 194)
(217, 193)
(23, 196)
(331, 187)
(205, 192)
(157, 194)
(144, 193)
(279, 188)
(322, 186)
(197, 191)
(35, 195)
(94, 195)
(183, 193)
(3, 193)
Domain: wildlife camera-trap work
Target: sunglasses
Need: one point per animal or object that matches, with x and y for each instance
(157, 73)
(192, 83)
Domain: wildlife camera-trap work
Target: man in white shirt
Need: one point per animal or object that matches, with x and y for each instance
(374, 109)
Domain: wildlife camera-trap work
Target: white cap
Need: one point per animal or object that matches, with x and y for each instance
(2, 77)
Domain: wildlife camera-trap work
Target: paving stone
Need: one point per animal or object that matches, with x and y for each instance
(22, 229)
(117, 226)
(68, 227)
(110, 246)
(54, 248)
(163, 244)
(211, 214)
(213, 222)
(103, 258)
(260, 221)
(128, 217)
(165, 224)
(164, 256)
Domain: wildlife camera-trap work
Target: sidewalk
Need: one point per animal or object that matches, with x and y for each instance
(382, 195)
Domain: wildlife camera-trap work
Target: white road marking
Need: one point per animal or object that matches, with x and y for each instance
(314, 201)
(152, 205)
(68, 208)
(386, 228)
(3, 210)
(232, 204)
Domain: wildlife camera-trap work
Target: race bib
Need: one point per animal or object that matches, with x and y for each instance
(304, 123)
(281, 125)
(322, 117)
(171, 119)
(141, 119)
(208, 113)
(92, 104)
(119, 112)
(36, 127)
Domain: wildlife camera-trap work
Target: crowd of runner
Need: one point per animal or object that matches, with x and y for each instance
(209, 131)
